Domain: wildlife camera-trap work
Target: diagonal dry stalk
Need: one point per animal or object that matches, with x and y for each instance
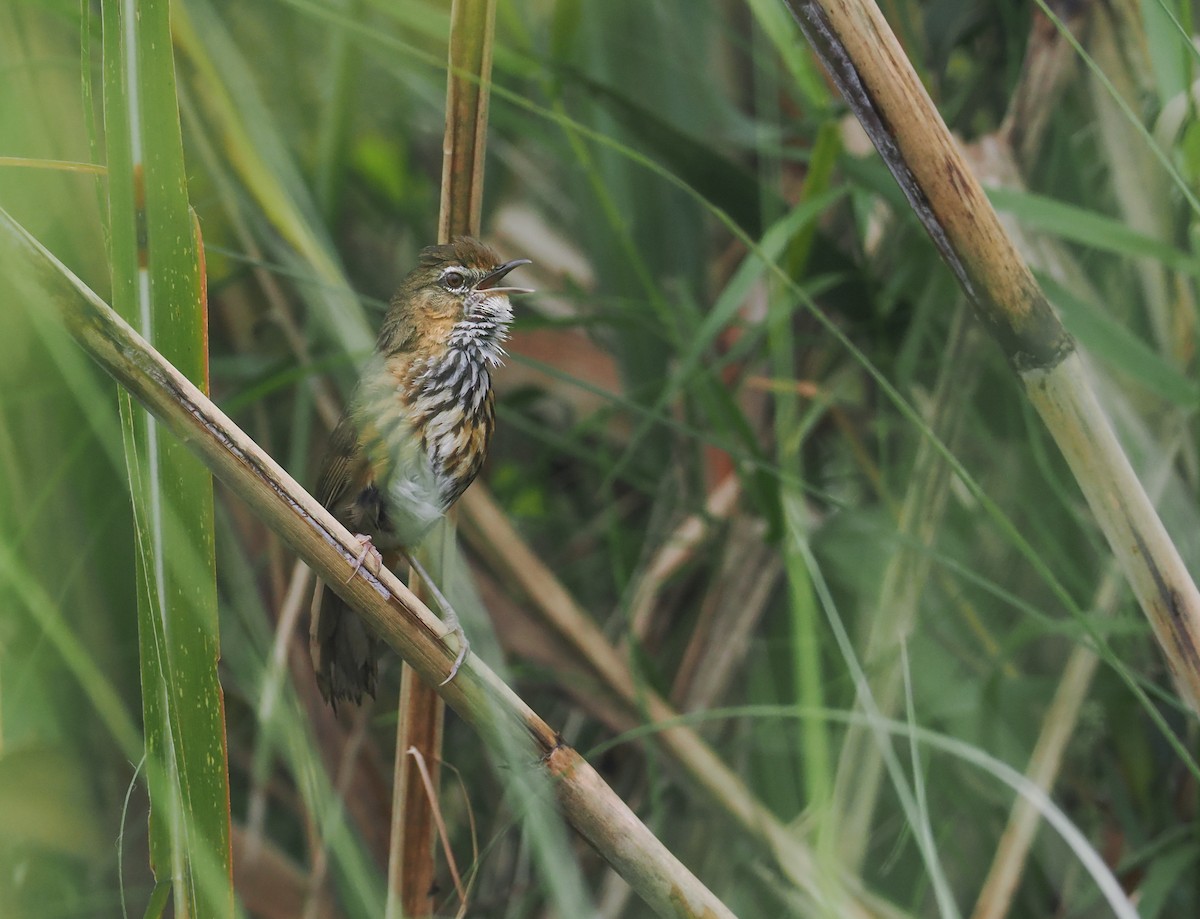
(860, 764)
(866, 61)
(1141, 201)
(492, 535)
(481, 698)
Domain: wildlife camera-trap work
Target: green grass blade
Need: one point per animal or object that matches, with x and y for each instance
(157, 285)
(1118, 347)
(1088, 228)
(245, 128)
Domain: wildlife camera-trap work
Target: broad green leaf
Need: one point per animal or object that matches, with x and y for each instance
(157, 286)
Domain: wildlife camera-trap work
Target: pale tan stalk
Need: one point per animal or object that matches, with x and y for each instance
(679, 548)
(1152, 565)
(860, 764)
(1058, 724)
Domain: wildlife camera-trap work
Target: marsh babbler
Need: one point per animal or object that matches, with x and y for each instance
(413, 438)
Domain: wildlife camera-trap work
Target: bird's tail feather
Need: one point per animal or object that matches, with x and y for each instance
(345, 655)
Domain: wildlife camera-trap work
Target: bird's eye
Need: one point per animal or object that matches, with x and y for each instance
(454, 280)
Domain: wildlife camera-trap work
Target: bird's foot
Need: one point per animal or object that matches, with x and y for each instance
(464, 648)
(368, 552)
(448, 616)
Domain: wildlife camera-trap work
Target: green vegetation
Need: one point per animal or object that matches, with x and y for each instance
(749, 424)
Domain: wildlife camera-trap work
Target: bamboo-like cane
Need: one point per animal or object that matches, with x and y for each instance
(420, 727)
(468, 87)
(480, 697)
(857, 46)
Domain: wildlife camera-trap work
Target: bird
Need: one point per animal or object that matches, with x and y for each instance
(413, 437)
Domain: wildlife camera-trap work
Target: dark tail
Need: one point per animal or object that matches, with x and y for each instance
(344, 655)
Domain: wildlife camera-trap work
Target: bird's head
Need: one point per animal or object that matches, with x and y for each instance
(458, 286)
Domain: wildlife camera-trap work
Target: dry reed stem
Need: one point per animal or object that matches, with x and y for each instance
(411, 867)
(468, 89)
(678, 549)
(440, 823)
(1058, 724)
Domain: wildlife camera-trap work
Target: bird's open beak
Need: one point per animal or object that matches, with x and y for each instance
(490, 280)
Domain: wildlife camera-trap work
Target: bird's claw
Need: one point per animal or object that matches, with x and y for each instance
(368, 551)
(464, 648)
(448, 616)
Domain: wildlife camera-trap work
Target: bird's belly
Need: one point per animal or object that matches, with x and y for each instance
(413, 506)
(411, 490)
(426, 446)
(425, 476)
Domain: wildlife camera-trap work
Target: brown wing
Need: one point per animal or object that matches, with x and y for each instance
(343, 464)
(343, 652)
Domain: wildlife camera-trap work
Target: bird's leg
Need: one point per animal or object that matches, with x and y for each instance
(448, 615)
(368, 551)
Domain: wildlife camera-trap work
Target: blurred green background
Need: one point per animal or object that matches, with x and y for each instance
(738, 323)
